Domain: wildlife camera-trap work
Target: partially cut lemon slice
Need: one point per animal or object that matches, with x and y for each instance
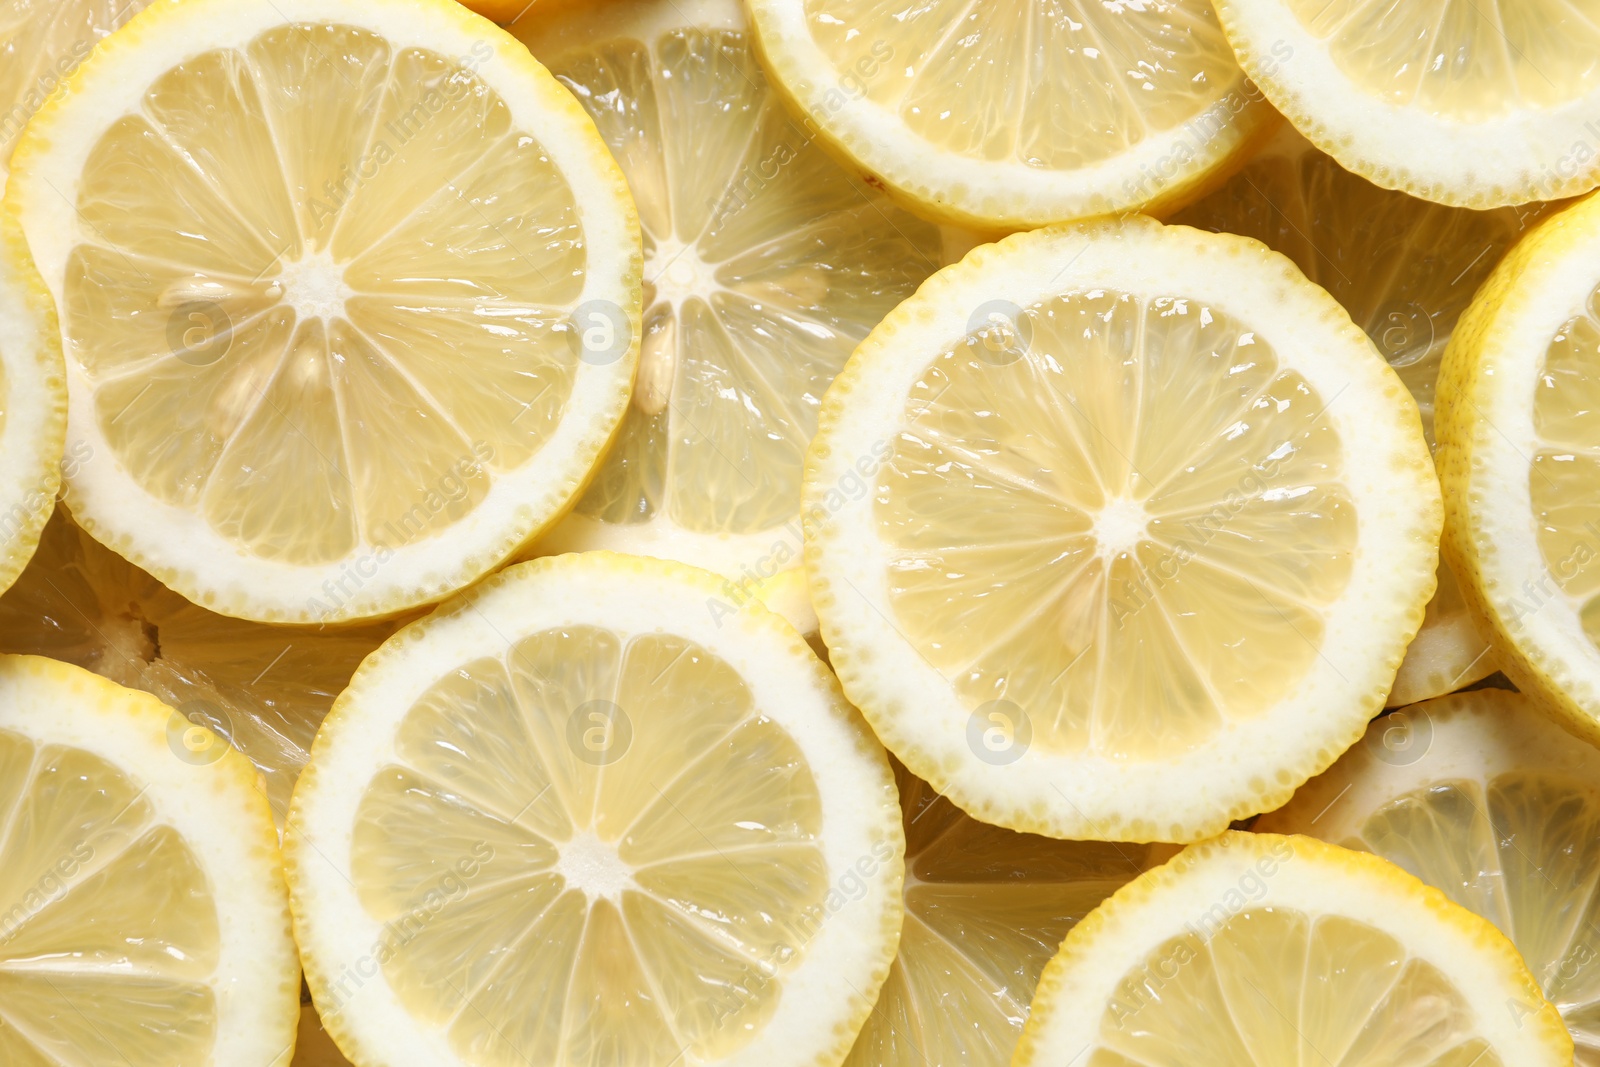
(33, 405)
(986, 909)
(1484, 798)
(1261, 949)
(349, 295)
(1475, 104)
(765, 264)
(42, 44)
(1149, 528)
(1011, 115)
(260, 689)
(1405, 269)
(143, 917)
(1519, 456)
(570, 818)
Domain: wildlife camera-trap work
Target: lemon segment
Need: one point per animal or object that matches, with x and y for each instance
(351, 326)
(262, 690)
(1130, 531)
(1515, 435)
(1477, 105)
(1405, 269)
(145, 911)
(583, 896)
(1484, 798)
(986, 908)
(1268, 949)
(1003, 117)
(765, 264)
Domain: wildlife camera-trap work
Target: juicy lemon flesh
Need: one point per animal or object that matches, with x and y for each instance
(1106, 528)
(1404, 268)
(1274, 985)
(108, 932)
(584, 898)
(297, 247)
(1523, 851)
(264, 689)
(1052, 85)
(1566, 462)
(1467, 62)
(765, 265)
(41, 42)
(986, 909)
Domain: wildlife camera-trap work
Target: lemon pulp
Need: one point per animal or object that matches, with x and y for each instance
(1276, 985)
(570, 910)
(1146, 488)
(765, 264)
(986, 908)
(104, 908)
(315, 231)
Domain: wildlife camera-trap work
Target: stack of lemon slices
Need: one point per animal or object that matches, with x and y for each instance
(955, 604)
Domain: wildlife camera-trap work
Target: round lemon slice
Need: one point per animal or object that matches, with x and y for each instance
(1405, 269)
(1519, 455)
(1006, 116)
(1475, 105)
(1484, 798)
(143, 915)
(986, 908)
(1264, 949)
(349, 296)
(570, 818)
(260, 689)
(1150, 527)
(765, 264)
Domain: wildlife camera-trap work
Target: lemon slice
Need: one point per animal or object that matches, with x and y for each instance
(1518, 455)
(1151, 526)
(1484, 798)
(261, 689)
(569, 818)
(765, 265)
(1263, 949)
(349, 294)
(1004, 116)
(143, 917)
(1475, 104)
(33, 405)
(1405, 269)
(986, 908)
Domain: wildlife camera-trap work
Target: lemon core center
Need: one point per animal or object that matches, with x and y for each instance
(314, 286)
(1120, 526)
(677, 272)
(593, 867)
